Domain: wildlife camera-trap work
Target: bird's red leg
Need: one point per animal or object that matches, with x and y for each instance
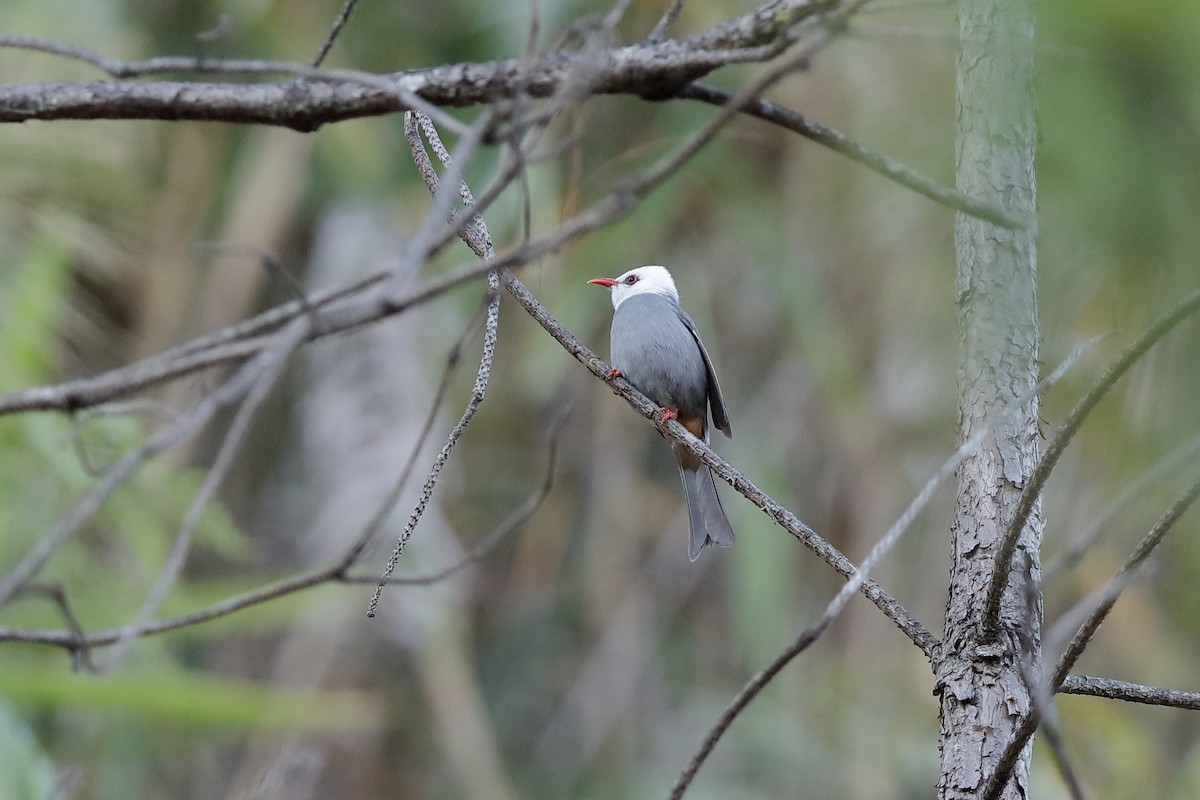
(669, 414)
(613, 373)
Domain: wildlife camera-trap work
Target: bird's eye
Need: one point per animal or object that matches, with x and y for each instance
(631, 280)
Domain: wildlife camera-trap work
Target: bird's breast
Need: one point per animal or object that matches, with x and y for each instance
(656, 353)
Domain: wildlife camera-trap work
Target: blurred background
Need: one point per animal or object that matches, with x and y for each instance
(585, 657)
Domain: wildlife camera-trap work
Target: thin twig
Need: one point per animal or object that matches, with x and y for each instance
(81, 656)
(271, 366)
(1029, 724)
(1083, 542)
(181, 429)
(477, 232)
(665, 21)
(1041, 473)
(873, 160)
(340, 22)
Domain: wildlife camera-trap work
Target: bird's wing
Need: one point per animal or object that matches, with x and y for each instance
(716, 401)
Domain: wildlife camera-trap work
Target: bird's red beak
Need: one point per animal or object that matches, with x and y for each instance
(607, 283)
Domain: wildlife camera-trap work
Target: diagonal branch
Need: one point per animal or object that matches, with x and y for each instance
(1086, 631)
(672, 430)
(274, 361)
(80, 643)
(872, 159)
(1033, 487)
(810, 634)
(184, 427)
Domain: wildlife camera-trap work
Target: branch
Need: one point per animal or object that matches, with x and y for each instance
(339, 22)
(80, 643)
(674, 432)
(1033, 487)
(1086, 631)
(1112, 689)
(476, 234)
(274, 361)
(184, 427)
(810, 635)
(646, 69)
(839, 142)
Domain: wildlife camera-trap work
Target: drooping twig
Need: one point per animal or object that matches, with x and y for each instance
(1041, 473)
(491, 331)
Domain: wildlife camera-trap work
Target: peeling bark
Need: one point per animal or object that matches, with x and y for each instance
(981, 683)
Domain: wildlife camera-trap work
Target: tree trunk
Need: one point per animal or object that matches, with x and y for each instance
(982, 689)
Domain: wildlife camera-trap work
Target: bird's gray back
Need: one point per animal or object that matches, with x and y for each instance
(656, 352)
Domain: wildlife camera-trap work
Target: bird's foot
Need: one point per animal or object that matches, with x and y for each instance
(613, 373)
(669, 414)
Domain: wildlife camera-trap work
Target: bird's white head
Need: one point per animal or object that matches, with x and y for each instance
(639, 281)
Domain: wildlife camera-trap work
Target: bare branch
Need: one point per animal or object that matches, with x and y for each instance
(183, 428)
(273, 362)
(852, 586)
(1079, 546)
(1033, 487)
(675, 432)
(1086, 631)
(1112, 689)
(338, 23)
(872, 159)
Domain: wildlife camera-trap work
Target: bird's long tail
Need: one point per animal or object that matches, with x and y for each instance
(706, 517)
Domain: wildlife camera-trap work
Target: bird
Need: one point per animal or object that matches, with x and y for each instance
(655, 346)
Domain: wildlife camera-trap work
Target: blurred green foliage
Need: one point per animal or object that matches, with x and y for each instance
(586, 656)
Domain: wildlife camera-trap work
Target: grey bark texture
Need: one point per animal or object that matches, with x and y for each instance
(982, 685)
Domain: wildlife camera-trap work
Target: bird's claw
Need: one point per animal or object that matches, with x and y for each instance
(613, 373)
(669, 414)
